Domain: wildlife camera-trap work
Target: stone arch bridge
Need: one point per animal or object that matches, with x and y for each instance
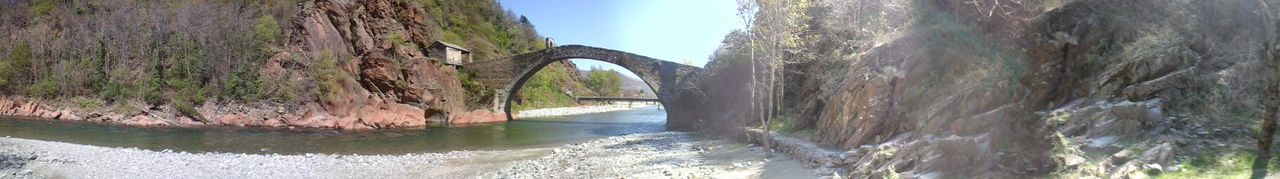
(675, 84)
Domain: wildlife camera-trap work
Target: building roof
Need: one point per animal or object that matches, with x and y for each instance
(447, 44)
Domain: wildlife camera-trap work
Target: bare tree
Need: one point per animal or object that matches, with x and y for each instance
(1272, 94)
(775, 30)
(747, 9)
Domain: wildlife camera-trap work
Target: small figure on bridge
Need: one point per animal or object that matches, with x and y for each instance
(550, 42)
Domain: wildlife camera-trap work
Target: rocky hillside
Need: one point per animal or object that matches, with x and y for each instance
(1007, 89)
(313, 64)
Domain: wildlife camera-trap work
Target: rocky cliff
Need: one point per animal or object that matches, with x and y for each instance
(1007, 89)
(334, 64)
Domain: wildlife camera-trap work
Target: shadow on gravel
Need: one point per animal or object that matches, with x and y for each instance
(14, 161)
(657, 144)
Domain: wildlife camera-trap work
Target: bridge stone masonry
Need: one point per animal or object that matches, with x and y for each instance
(675, 84)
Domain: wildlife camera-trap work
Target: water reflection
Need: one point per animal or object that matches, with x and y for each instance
(532, 132)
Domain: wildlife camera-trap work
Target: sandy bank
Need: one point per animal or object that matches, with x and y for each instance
(576, 110)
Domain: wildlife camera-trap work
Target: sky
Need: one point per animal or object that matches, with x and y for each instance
(674, 30)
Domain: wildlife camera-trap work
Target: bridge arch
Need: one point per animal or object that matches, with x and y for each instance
(507, 75)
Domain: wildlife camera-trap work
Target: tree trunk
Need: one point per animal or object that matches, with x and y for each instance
(1271, 95)
(756, 105)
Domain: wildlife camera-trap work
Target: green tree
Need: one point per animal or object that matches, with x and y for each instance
(266, 29)
(17, 63)
(606, 83)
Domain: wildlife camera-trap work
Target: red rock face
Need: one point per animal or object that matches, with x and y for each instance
(389, 84)
(143, 120)
(25, 108)
(238, 119)
(384, 84)
(476, 117)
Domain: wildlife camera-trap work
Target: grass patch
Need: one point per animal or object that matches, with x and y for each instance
(786, 126)
(1060, 118)
(1215, 164)
(86, 103)
(42, 7)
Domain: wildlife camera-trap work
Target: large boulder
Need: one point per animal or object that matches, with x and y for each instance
(476, 117)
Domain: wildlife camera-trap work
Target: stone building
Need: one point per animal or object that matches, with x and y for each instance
(451, 54)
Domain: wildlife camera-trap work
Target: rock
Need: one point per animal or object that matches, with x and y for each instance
(1123, 155)
(48, 114)
(238, 119)
(1156, 155)
(317, 31)
(274, 69)
(1175, 168)
(1073, 160)
(477, 116)
(270, 122)
(393, 116)
(68, 115)
(1101, 142)
(144, 120)
(381, 72)
(1152, 168)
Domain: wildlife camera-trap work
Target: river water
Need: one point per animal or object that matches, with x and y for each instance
(523, 133)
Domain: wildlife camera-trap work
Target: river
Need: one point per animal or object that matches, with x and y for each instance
(629, 143)
(523, 133)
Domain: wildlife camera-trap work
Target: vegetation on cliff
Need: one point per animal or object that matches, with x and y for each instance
(133, 54)
(553, 86)
(172, 52)
(502, 33)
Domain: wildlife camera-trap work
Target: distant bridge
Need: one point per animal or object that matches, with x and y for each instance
(606, 98)
(675, 84)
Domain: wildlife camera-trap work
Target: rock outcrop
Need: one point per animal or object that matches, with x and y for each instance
(381, 78)
(391, 82)
(1023, 89)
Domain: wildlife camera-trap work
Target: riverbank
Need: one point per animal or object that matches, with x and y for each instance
(262, 114)
(644, 155)
(576, 110)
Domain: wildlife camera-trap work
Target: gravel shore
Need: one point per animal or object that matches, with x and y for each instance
(576, 110)
(645, 155)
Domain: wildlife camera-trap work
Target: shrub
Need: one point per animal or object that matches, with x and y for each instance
(87, 103)
(41, 7)
(328, 77)
(398, 39)
(477, 93)
(18, 62)
(187, 109)
(4, 74)
(266, 29)
(606, 83)
(45, 88)
(241, 85)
